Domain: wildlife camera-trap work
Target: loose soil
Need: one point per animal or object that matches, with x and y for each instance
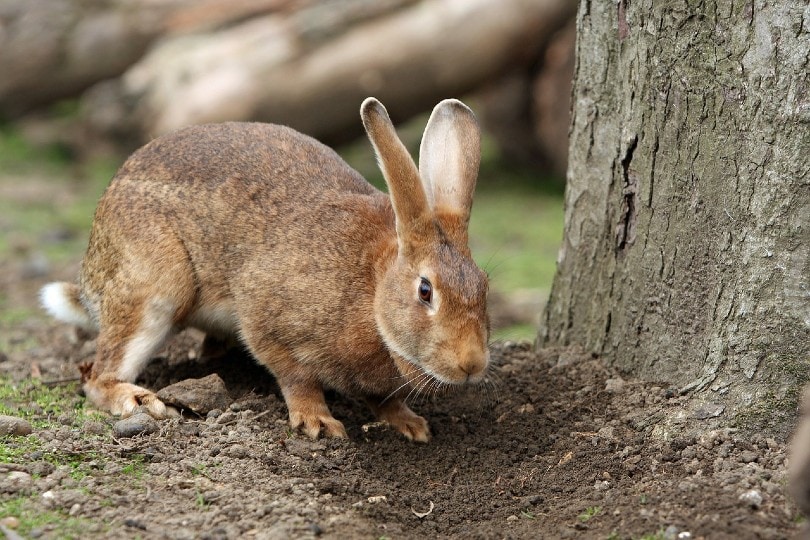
(554, 445)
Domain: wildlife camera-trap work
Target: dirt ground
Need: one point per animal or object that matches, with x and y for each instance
(554, 445)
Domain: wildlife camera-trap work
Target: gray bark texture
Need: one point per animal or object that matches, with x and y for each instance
(685, 256)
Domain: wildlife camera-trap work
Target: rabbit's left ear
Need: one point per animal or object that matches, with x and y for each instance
(449, 158)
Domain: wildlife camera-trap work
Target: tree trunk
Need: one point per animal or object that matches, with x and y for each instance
(685, 257)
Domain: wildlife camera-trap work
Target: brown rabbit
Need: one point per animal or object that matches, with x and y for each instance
(259, 232)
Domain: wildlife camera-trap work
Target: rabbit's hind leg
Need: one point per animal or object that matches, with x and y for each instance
(125, 345)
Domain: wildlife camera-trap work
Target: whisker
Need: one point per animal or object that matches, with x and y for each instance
(425, 376)
(400, 387)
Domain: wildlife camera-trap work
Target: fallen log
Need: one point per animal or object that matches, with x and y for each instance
(292, 71)
(55, 49)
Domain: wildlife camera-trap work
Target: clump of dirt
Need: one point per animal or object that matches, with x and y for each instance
(555, 445)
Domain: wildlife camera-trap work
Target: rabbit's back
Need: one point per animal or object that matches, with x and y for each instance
(275, 156)
(247, 208)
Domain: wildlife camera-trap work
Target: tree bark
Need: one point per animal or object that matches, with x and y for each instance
(685, 255)
(281, 70)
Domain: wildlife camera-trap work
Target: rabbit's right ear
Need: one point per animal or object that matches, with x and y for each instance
(401, 175)
(449, 158)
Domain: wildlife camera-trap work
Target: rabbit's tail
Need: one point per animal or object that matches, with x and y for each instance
(62, 300)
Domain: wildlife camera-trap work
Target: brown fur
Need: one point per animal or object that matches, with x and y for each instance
(259, 231)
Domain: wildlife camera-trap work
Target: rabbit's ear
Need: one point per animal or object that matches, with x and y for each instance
(400, 172)
(449, 158)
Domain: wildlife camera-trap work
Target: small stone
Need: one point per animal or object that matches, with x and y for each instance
(75, 509)
(48, 498)
(135, 425)
(197, 395)
(226, 418)
(374, 499)
(512, 518)
(11, 425)
(708, 410)
(134, 523)
(303, 448)
(16, 481)
(671, 532)
(614, 385)
(748, 456)
(530, 500)
(601, 485)
(237, 451)
(91, 427)
(10, 521)
(752, 498)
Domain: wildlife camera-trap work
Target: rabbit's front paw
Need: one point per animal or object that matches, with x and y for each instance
(396, 413)
(313, 423)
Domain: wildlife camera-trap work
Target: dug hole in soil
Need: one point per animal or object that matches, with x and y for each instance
(555, 445)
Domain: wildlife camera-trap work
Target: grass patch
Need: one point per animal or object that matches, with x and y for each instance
(57, 524)
(136, 467)
(653, 536)
(23, 450)
(53, 211)
(589, 513)
(516, 332)
(17, 449)
(41, 404)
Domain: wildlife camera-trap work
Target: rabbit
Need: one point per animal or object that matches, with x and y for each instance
(258, 232)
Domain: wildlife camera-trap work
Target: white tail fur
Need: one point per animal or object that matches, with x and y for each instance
(61, 300)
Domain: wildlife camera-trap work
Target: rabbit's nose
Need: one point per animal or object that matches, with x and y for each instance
(474, 364)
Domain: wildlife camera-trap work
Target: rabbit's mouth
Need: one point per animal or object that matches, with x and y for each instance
(456, 372)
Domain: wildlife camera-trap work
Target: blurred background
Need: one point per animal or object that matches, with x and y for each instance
(83, 83)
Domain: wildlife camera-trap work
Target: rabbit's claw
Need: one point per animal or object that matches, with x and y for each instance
(313, 424)
(397, 414)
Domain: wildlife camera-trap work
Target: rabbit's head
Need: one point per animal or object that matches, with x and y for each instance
(430, 305)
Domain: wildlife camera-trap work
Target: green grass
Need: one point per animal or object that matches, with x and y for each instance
(514, 235)
(57, 524)
(589, 513)
(136, 467)
(653, 536)
(16, 399)
(30, 216)
(17, 449)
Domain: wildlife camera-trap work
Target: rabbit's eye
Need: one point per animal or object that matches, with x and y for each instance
(425, 291)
